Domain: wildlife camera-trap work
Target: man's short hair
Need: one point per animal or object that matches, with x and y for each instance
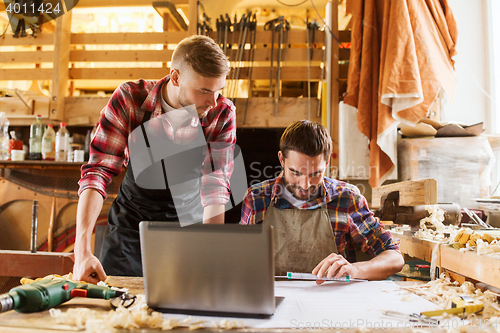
(306, 137)
(202, 54)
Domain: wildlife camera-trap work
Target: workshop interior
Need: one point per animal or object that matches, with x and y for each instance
(407, 90)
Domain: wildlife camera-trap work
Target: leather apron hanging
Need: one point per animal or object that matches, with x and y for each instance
(121, 252)
(302, 238)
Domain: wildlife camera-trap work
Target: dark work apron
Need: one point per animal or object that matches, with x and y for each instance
(121, 251)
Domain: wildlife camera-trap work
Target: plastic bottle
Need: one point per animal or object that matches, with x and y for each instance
(4, 137)
(36, 135)
(62, 143)
(49, 144)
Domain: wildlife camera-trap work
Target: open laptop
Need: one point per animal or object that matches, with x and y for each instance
(224, 270)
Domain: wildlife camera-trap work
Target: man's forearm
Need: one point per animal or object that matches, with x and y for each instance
(213, 214)
(89, 208)
(381, 267)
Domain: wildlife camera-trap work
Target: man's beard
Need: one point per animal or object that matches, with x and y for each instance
(184, 101)
(295, 190)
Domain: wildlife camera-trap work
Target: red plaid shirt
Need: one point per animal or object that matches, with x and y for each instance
(125, 111)
(352, 221)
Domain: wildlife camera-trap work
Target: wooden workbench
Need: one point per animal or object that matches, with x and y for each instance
(13, 322)
(482, 268)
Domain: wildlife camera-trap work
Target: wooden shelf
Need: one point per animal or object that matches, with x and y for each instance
(483, 268)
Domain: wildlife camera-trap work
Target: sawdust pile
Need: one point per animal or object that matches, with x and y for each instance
(138, 316)
(135, 317)
(442, 291)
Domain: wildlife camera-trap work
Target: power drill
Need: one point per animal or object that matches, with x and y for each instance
(45, 294)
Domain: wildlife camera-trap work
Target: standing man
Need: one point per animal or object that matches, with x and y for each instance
(318, 222)
(198, 73)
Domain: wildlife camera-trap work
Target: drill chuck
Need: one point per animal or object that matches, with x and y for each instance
(6, 303)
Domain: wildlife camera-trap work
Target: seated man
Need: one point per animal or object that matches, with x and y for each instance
(318, 222)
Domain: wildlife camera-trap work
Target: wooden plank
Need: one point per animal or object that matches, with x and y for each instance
(121, 56)
(60, 75)
(193, 17)
(260, 112)
(170, 37)
(40, 264)
(478, 267)
(295, 37)
(26, 74)
(411, 192)
(122, 3)
(84, 106)
(415, 247)
(26, 57)
(259, 73)
(261, 55)
(41, 39)
(14, 107)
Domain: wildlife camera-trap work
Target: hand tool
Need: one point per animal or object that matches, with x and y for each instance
(241, 49)
(308, 276)
(253, 25)
(421, 320)
(232, 82)
(309, 55)
(227, 24)
(45, 294)
(217, 27)
(270, 25)
(279, 29)
(459, 305)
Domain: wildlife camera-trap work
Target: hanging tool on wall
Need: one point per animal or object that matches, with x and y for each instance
(238, 26)
(279, 29)
(309, 56)
(218, 29)
(270, 26)
(226, 24)
(244, 23)
(253, 28)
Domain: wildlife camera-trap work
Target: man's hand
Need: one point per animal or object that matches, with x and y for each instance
(334, 266)
(88, 268)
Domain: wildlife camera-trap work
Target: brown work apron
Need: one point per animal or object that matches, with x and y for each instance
(302, 238)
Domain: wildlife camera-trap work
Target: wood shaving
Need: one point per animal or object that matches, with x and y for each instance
(435, 220)
(68, 277)
(443, 290)
(138, 316)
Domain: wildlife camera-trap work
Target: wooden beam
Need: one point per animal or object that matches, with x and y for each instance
(60, 73)
(261, 55)
(260, 111)
(41, 39)
(26, 74)
(169, 37)
(34, 265)
(120, 56)
(417, 248)
(14, 107)
(168, 12)
(26, 57)
(84, 106)
(259, 73)
(411, 192)
(295, 37)
(193, 17)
